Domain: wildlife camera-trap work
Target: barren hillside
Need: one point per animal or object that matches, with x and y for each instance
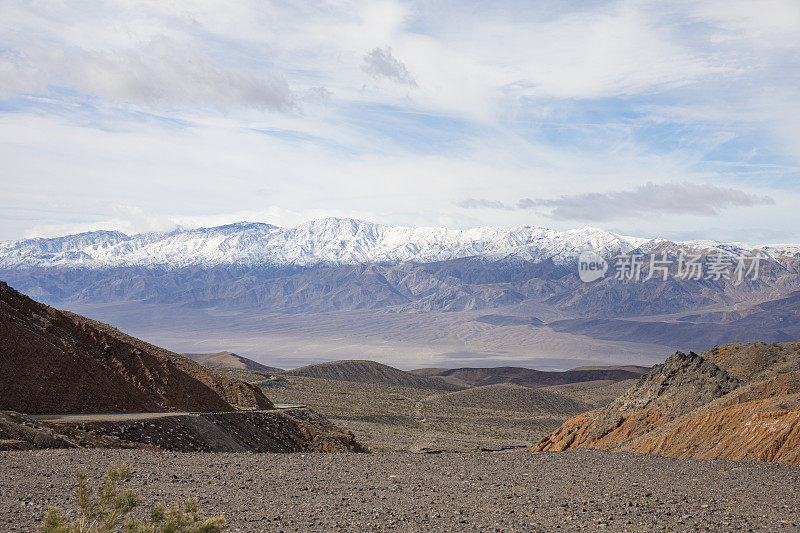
(59, 362)
(510, 397)
(229, 360)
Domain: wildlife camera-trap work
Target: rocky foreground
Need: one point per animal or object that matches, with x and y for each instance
(521, 491)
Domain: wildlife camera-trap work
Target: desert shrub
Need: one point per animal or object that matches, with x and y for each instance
(105, 511)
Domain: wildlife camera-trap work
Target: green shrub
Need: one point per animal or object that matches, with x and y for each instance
(105, 511)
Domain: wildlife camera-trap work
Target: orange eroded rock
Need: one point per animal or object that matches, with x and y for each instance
(737, 401)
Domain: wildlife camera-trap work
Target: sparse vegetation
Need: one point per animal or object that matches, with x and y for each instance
(107, 510)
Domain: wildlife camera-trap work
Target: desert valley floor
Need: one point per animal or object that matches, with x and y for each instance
(512, 491)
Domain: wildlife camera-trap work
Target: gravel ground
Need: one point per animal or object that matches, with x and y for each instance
(520, 491)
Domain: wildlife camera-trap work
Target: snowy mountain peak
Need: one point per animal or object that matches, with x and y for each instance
(333, 241)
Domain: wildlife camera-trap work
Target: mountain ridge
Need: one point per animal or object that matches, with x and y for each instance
(331, 241)
(524, 281)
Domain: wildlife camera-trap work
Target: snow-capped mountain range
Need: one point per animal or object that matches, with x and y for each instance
(329, 241)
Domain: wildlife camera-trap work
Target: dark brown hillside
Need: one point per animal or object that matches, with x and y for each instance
(363, 371)
(478, 377)
(58, 362)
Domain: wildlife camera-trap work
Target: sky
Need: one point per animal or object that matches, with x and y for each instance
(675, 119)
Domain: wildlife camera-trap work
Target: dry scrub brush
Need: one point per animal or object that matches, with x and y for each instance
(105, 511)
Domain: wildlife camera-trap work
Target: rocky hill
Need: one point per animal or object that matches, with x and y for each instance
(60, 362)
(477, 377)
(736, 401)
(283, 431)
(363, 371)
(229, 360)
(19, 432)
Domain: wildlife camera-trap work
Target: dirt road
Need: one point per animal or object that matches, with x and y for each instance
(119, 417)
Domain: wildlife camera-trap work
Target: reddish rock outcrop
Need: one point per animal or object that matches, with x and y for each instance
(58, 362)
(736, 401)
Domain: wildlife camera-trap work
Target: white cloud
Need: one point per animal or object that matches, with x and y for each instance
(667, 198)
(110, 104)
(482, 203)
(620, 49)
(670, 198)
(767, 23)
(380, 62)
(159, 75)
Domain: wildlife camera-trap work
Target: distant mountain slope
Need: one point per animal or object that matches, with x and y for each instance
(510, 397)
(363, 371)
(781, 326)
(477, 377)
(463, 284)
(229, 360)
(521, 281)
(59, 362)
(737, 401)
(782, 314)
